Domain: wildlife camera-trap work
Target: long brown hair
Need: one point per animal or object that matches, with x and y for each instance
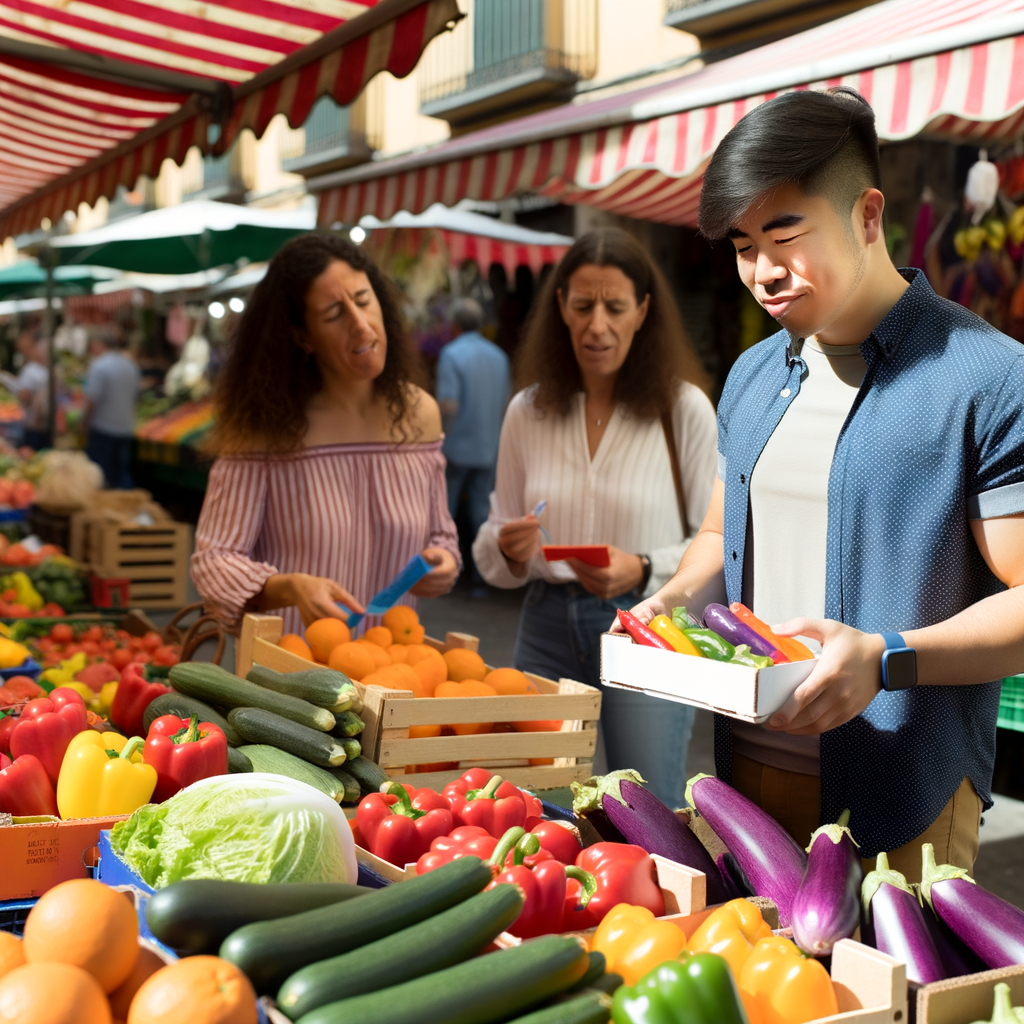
(268, 380)
(661, 354)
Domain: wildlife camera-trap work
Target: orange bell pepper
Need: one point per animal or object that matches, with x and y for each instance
(785, 986)
(731, 932)
(634, 942)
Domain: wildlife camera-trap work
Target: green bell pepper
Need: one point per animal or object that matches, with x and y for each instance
(697, 990)
(710, 644)
(682, 619)
(744, 657)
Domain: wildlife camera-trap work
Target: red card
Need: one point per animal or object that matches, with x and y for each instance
(596, 555)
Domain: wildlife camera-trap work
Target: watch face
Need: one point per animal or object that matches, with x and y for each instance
(900, 669)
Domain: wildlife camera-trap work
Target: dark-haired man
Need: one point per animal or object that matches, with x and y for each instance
(870, 495)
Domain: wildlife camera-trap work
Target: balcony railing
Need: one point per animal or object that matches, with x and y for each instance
(332, 137)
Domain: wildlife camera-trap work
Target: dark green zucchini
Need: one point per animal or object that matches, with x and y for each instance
(258, 726)
(598, 965)
(238, 762)
(197, 915)
(276, 761)
(269, 952)
(441, 941)
(320, 686)
(589, 1008)
(352, 790)
(483, 990)
(348, 723)
(352, 747)
(185, 707)
(367, 773)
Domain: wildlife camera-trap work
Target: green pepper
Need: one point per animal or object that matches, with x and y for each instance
(710, 644)
(744, 657)
(697, 990)
(683, 619)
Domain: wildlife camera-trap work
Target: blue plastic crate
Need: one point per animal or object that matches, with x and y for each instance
(13, 914)
(29, 668)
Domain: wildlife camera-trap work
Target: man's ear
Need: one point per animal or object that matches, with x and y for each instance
(868, 212)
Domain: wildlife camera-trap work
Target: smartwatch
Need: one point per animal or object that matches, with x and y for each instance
(899, 663)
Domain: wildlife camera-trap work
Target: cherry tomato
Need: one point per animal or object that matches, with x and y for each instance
(142, 658)
(10, 595)
(44, 644)
(121, 657)
(62, 633)
(151, 641)
(70, 650)
(90, 648)
(94, 633)
(165, 655)
(108, 645)
(123, 635)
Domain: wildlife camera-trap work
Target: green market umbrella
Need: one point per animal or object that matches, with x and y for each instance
(27, 280)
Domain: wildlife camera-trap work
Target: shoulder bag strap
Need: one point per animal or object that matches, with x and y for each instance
(677, 476)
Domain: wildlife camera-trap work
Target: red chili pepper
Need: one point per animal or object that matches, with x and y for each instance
(182, 751)
(624, 874)
(7, 724)
(465, 841)
(641, 633)
(134, 694)
(479, 798)
(47, 726)
(399, 824)
(26, 789)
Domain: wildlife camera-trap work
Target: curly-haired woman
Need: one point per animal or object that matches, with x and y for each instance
(330, 475)
(611, 397)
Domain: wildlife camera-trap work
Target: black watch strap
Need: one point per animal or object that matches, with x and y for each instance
(645, 564)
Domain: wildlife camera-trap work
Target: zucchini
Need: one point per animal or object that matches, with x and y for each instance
(197, 915)
(185, 707)
(320, 686)
(590, 1008)
(218, 686)
(367, 773)
(269, 952)
(352, 747)
(265, 758)
(443, 940)
(596, 969)
(259, 726)
(348, 723)
(237, 761)
(494, 987)
(350, 785)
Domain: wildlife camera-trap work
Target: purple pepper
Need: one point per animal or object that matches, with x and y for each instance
(728, 627)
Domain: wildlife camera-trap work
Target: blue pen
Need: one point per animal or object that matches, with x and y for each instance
(538, 508)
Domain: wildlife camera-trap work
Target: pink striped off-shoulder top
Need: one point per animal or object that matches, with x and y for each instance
(355, 513)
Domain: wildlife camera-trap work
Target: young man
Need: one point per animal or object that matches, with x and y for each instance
(111, 389)
(870, 495)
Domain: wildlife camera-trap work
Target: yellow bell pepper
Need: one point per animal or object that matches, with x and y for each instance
(668, 630)
(27, 594)
(634, 941)
(785, 986)
(103, 774)
(731, 932)
(85, 692)
(65, 673)
(102, 702)
(12, 654)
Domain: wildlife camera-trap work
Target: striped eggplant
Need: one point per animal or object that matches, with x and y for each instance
(769, 856)
(728, 627)
(645, 821)
(826, 907)
(986, 924)
(895, 923)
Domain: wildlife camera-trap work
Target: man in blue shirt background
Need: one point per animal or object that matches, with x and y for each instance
(870, 496)
(473, 382)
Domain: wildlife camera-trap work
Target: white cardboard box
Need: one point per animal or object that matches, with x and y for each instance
(749, 694)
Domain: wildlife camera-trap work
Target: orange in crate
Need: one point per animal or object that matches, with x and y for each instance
(324, 635)
(353, 659)
(294, 643)
(398, 653)
(509, 682)
(429, 666)
(469, 688)
(404, 624)
(379, 655)
(379, 635)
(463, 664)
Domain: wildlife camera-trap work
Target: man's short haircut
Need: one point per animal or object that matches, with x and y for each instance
(109, 335)
(468, 315)
(825, 142)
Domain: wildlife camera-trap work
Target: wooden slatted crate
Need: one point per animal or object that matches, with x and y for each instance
(389, 714)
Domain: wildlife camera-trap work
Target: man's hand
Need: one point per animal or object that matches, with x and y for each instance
(440, 579)
(619, 577)
(841, 685)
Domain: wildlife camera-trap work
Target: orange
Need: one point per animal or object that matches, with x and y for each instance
(296, 645)
(145, 967)
(353, 659)
(436, 766)
(11, 953)
(198, 989)
(86, 924)
(395, 677)
(418, 652)
(404, 624)
(428, 665)
(52, 994)
(379, 655)
(324, 635)
(398, 653)
(509, 681)
(379, 635)
(552, 726)
(419, 732)
(470, 688)
(463, 664)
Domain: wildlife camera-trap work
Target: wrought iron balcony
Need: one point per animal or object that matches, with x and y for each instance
(335, 137)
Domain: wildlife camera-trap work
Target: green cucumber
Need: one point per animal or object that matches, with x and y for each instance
(197, 915)
(482, 990)
(352, 747)
(596, 969)
(441, 941)
(259, 726)
(590, 1008)
(320, 686)
(367, 773)
(349, 784)
(265, 758)
(216, 685)
(185, 707)
(270, 952)
(348, 723)
(237, 761)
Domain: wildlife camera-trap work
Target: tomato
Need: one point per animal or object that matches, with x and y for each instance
(10, 595)
(93, 633)
(51, 660)
(70, 650)
(165, 655)
(121, 657)
(44, 644)
(151, 641)
(123, 635)
(90, 648)
(62, 633)
(142, 658)
(108, 645)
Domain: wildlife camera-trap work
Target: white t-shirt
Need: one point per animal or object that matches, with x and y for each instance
(789, 509)
(35, 378)
(112, 385)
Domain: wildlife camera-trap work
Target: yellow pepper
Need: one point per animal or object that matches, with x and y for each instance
(66, 672)
(668, 630)
(103, 774)
(731, 932)
(102, 702)
(27, 594)
(12, 654)
(785, 986)
(634, 941)
(85, 692)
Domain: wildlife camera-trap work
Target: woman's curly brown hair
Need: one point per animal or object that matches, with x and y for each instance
(661, 354)
(268, 380)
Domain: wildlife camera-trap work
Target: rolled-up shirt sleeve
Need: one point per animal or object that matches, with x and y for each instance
(996, 489)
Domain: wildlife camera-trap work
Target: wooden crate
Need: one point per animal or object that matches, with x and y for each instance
(389, 714)
(965, 999)
(153, 558)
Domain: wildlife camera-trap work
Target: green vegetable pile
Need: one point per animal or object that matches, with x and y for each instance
(59, 581)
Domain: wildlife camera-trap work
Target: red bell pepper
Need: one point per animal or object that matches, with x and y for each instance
(624, 874)
(5, 761)
(26, 790)
(134, 694)
(479, 798)
(47, 726)
(559, 841)
(182, 751)
(7, 724)
(399, 824)
(465, 841)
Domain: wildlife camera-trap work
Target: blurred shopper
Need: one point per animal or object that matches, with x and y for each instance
(614, 434)
(111, 389)
(472, 391)
(33, 389)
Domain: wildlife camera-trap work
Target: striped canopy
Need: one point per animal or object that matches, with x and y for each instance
(94, 93)
(949, 68)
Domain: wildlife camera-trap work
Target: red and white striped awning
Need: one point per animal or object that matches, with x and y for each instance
(95, 93)
(948, 68)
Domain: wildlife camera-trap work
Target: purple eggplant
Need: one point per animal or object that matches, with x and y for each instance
(728, 627)
(826, 907)
(895, 923)
(957, 959)
(645, 821)
(732, 875)
(986, 924)
(770, 857)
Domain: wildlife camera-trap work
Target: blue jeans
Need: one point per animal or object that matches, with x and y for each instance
(113, 455)
(477, 483)
(560, 637)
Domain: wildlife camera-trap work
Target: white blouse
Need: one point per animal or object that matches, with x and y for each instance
(624, 496)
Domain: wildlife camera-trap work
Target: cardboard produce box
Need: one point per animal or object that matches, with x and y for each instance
(964, 1000)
